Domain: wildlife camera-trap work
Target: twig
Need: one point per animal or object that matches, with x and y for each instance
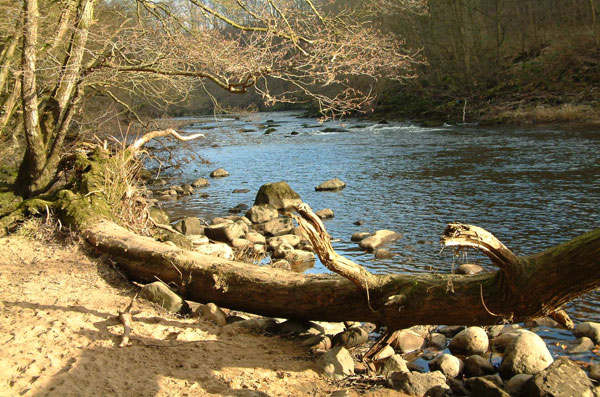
(127, 320)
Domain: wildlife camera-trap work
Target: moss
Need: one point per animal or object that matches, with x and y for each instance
(178, 239)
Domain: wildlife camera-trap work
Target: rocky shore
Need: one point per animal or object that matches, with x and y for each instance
(435, 360)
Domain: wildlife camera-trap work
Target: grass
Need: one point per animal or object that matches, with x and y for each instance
(540, 114)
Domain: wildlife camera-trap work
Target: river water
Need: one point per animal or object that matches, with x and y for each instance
(531, 187)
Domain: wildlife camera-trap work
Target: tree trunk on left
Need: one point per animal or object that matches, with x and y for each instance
(31, 172)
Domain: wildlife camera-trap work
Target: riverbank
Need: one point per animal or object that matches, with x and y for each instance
(60, 336)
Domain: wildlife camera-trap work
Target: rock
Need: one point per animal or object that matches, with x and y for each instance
(279, 194)
(318, 343)
(219, 220)
(450, 331)
(562, 378)
(178, 189)
(407, 341)
(190, 225)
(300, 261)
(358, 236)
(294, 327)
(472, 340)
(500, 342)
(282, 250)
(468, 268)
(543, 322)
(579, 345)
(448, 364)
(278, 227)
(261, 213)
(378, 239)
(290, 239)
(437, 341)
(487, 386)
(351, 337)
(200, 182)
(198, 239)
(159, 216)
(418, 384)
(387, 351)
(331, 185)
(281, 264)
(187, 189)
(245, 228)
(213, 313)
(162, 295)
(326, 213)
(259, 326)
(219, 249)
(476, 365)
(241, 243)
(336, 363)
(224, 232)
(256, 238)
(595, 372)
(382, 253)
(525, 354)
(514, 386)
(589, 329)
(334, 129)
(219, 173)
(359, 222)
(159, 182)
(391, 364)
(235, 191)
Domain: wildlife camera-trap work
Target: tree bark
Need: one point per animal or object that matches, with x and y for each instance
(526, 287)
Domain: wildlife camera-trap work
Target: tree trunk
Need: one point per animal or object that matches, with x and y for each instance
(525, 287)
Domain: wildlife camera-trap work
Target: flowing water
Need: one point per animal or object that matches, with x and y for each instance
(531, 187)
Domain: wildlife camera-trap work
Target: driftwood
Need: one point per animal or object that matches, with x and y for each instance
(523, 288)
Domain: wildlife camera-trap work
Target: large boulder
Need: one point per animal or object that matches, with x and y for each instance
(337, 363)
(331, 185)
(261, 213)
(418, 384)
(378, 239)
(224, 232)
(561, 378)
(278, 194)
(162, 295)
(473, 340)
(526, 354)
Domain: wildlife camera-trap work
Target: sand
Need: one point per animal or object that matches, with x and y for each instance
(59, 336)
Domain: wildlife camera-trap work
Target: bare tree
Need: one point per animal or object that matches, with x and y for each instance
(149, 52)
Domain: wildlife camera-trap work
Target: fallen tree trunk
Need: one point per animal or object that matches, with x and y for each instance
(525, 287)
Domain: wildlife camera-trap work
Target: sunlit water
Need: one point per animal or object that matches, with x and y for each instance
(531, 187)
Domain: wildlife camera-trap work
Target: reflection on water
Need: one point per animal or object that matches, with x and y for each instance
(531, 187)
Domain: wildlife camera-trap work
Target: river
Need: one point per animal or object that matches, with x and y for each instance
(531, 187)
